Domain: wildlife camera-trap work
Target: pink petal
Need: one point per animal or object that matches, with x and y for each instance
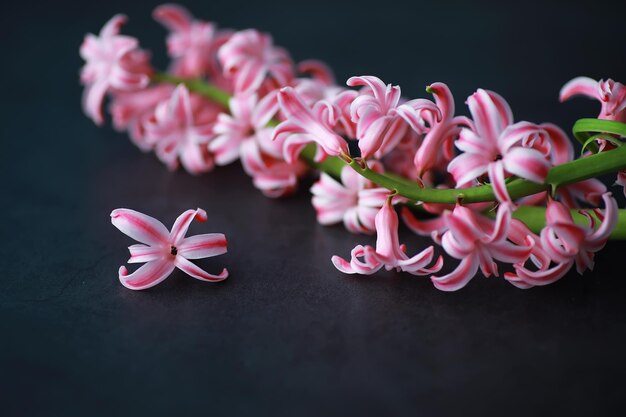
(318, 70)
(342, 265)
(203, 246)
(142, 253)
(179, 230)
(387, 244)
(579, 86)
(93, 96)
(496, 176)
(148, 275)
(543, 276)
(196, 272)
(491, 114)
(378, 87)
(526, 163)
(266, 108)
(458, 278)
(173, 17)
(416, 265)
(467, 167)
(142, 228)
(422, 227)
(113, 26)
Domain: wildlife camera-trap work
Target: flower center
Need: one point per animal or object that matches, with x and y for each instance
(173, 250)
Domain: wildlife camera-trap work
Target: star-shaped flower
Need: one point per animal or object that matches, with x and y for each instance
(162, 250)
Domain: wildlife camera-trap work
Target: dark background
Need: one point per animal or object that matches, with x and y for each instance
(286, 334)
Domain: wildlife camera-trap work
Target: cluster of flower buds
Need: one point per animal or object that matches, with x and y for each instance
(281, 119)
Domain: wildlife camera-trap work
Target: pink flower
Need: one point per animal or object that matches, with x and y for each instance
(113, 62)
(180, 129)
(381, 120)
(318, 70)
(130, 110)
(566, 243)
(304, 125)
(355, 200)
(495, 146)
(193, 44)
(475, 240)
(248, 120)
(162, 251)
(251, 60)
(388, 253)
(270, 174)
(437, 148)
(611, 94)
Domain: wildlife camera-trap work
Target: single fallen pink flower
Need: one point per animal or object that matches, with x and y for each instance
(565, 243)
(381, 120)
(304, 125)
(180, 129)
(113, 62)
(388, 252)
(250, 59)
(193, 44)
(495, 146)
(355, 200)
(611, 94)
(162, 251)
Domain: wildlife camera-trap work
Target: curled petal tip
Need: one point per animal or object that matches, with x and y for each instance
(201, 215)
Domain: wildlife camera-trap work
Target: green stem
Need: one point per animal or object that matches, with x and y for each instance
(199, 86)
(534, 217)
(571, 172)
(585, 128)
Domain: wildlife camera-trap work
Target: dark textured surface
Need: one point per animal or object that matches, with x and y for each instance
(286, 334)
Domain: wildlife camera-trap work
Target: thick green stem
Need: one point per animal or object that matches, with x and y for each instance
(569, 173)
(199, 86)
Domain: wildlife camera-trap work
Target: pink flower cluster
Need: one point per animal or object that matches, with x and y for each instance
(278, 109)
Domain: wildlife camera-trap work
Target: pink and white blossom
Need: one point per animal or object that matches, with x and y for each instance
(437, 148)
(270, 173)
(611, 95)
(114, 62)
(180, 129)
(164, 250)
(388, 253)
(248, 120)
(193, 44)
(251, 60)
(304, 125)
(380, 119)
(131, 110)
(476, 241)
(495, 146)
(353, 200)
(564, 243)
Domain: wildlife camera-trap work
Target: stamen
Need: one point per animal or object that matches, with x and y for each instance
(173, 250)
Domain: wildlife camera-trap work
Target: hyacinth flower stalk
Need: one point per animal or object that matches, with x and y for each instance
(485, 188)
